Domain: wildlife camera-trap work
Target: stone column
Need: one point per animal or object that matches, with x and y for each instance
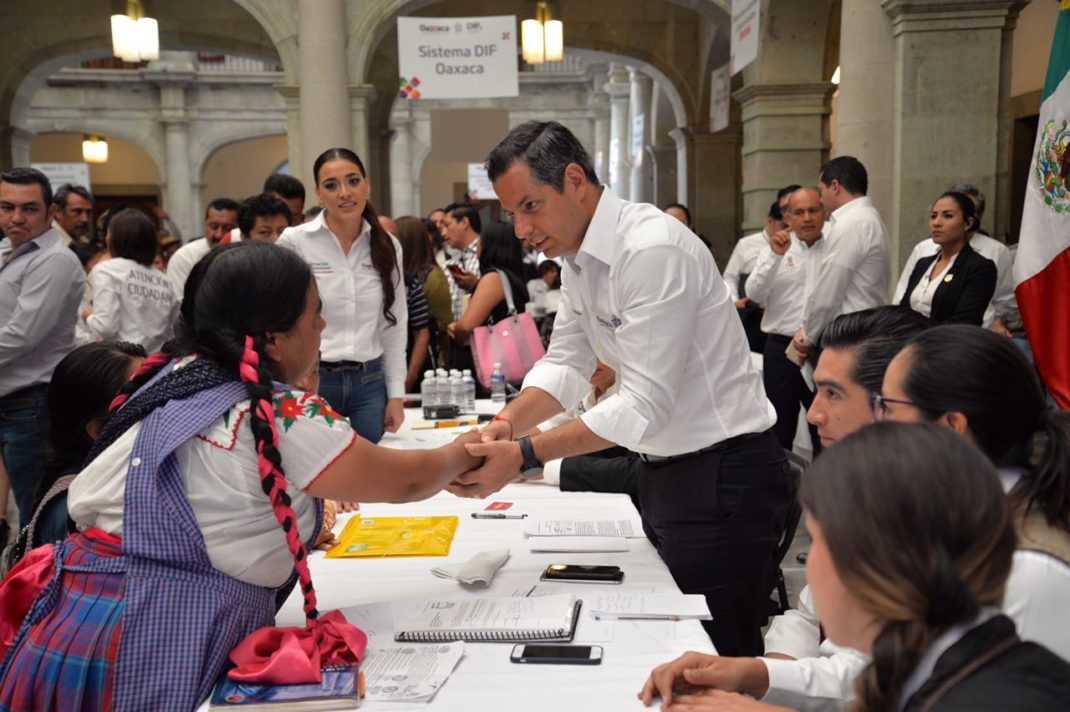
(713, 168)
(403, 196)
(324, 88)
(599, 105)
(15, 143)
(680, 137)
(949, 95)
(785, 141)
(291, 94)
(360, 99)
(172, 81)
(619, 91)
(641, 187)
(663, 167)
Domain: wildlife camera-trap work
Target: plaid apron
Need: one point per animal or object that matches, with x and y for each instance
(147, 626)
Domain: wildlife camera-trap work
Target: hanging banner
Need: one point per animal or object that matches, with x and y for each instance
(745, 17)
(457, 57)
(479, 185)
(60, 173)
(720, 98)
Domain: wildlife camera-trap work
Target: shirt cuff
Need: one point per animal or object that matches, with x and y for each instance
(562, 382)
(616, 421)
(784, 676)
(551, 473)
(395, 388)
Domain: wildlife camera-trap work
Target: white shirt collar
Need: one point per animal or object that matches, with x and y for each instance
(320, 223)
(600, 240)
(851, 205)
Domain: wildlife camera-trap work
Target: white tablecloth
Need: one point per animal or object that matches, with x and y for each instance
(485, 679)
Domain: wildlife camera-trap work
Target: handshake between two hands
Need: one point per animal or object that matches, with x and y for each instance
(494, 461)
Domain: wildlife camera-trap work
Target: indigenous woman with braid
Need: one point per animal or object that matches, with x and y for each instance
(197, 502)
(358, 268)
(912, 546)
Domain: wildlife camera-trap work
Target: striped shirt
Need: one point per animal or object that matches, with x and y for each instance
(468, 260)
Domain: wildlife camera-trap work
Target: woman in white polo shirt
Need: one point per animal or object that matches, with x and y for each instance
(358, 270)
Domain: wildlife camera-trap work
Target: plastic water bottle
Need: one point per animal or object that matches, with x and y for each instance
(469, 391)
(429, 389)
(442, 388)
(457, 390)
(497, 384)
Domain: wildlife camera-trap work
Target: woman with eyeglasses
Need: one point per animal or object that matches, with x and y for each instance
(957, 283)
(979, 385)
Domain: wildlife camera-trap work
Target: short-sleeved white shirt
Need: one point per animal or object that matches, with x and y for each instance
(219, 471)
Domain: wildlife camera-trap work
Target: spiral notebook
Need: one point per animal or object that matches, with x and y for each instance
(487, 620)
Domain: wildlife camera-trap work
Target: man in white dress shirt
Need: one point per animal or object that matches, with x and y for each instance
(220, 220)
(1003, 303)
(642, 295)
(856, 269)
(783, 279)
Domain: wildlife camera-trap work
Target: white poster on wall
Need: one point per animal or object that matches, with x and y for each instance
(479, 185)
(457, 57)
(638, 125)
(614, 161)
(720, 97)
(60, 173)
(745, 17)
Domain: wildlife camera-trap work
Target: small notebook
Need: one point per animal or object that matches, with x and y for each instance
(488, 620)
(339, 689)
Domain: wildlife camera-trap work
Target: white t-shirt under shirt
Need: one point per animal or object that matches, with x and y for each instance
(921, 299)
(219, 471)
(131, 302)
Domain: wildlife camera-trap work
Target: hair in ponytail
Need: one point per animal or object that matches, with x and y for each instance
(384, 258)
(987, 378)
(920, 554)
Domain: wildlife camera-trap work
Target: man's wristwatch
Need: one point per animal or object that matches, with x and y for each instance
(532, 467)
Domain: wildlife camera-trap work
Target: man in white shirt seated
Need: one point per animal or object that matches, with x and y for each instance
(856, 268)
(783, 280)
(1003, 303)
(220, 219)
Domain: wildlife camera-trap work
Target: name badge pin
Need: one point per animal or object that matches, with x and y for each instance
(949, 278)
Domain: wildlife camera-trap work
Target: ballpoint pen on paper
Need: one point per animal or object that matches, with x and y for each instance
(496, 515)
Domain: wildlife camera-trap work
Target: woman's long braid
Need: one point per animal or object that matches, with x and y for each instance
(273, 480)
(143, 375)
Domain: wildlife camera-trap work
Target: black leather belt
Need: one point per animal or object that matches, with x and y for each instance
(350, 365)
(22, 398)
(723, 445)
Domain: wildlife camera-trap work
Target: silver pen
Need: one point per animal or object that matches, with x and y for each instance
(496, 515)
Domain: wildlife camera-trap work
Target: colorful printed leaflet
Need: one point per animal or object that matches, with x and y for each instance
(395, 536)
(339, 690)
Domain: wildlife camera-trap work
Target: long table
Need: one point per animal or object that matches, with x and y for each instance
(485, 678)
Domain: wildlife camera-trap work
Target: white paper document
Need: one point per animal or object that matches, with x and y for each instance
(631, 605)
(631, 528)
(574, 544)
(409, 673)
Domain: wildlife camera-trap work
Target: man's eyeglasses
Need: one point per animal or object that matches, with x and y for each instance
(879, 404)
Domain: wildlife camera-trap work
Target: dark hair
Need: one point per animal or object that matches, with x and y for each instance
(133, 236)
(681, 207)
(465, 211)
(875, 335)
(986, 377)
(499, 249)
(849, 172)
(64, 193)
(547, 148)
(437, 241)
(415, 239)
(86, 251)
(786, 190)
(775, 213)
(221, 204)
(969, 189)
(29, 176)
(966, 207)
(384, 259)
(919, 553)
(313, 211)
(260, 206)
(547, 265)
(83, 385)
(285, 185)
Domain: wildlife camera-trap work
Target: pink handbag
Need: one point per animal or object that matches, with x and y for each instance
(514, 342)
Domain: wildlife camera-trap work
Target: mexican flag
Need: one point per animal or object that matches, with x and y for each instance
(1042, 268)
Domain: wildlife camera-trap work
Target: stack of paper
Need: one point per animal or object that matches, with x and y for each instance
(582, 535)
(632, 605)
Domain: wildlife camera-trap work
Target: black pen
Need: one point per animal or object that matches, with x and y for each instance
(496, 515)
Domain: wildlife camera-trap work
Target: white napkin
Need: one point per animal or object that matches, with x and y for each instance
(479, 569)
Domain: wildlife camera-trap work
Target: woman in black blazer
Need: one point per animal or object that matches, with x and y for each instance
(956, 284)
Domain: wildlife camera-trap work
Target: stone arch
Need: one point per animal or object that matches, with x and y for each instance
(207, 144)
(120, 142)
(148, 141)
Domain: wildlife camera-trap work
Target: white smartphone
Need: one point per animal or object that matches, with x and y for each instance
(544, 654)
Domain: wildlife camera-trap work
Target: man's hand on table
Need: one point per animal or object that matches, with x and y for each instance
(718, 701)
(697, 673)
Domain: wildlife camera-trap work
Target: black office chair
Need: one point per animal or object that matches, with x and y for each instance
(779, 604)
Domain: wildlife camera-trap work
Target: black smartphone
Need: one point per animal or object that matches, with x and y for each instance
(485, 417)
(543, 654)
(582, 573)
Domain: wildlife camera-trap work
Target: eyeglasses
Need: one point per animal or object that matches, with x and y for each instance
(879, 405)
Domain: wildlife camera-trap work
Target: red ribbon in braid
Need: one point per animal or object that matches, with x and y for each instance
(153, 363)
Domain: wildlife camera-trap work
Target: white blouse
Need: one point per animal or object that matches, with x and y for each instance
(219, 471)
(353, 299)
(131, 302)
(921, 299)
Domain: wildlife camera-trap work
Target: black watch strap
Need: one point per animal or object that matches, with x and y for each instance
(532, 467)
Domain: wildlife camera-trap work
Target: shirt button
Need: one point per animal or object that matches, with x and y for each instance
(136, 461)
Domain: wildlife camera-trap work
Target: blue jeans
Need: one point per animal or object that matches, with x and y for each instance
(358, 394)
(23, 425)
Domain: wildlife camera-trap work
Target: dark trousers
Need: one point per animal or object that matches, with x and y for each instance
(716, 519)
(615, 469)
(787, 390)
(23, 436)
